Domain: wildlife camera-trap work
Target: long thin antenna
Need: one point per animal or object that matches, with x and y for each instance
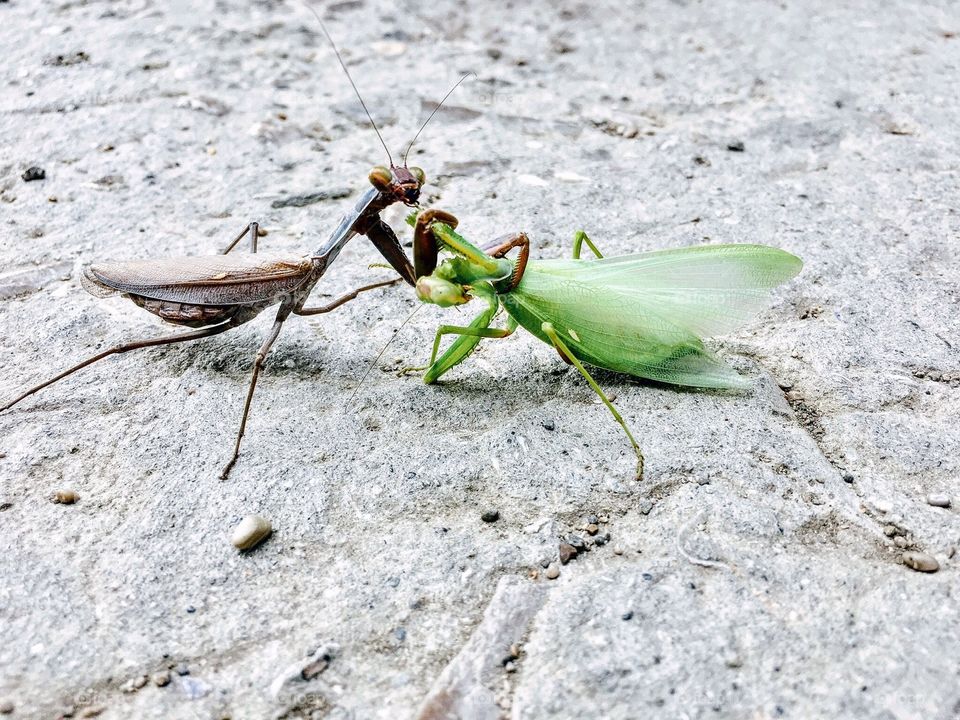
(382, 351)
(350, 78)
(439, 105)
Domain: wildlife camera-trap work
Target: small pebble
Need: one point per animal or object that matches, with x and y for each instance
(890, 530)
(93, 711)
(65, 497)
(848, 477)
(548, 425)
(921, 562)
(900, 541)
(161, 679)
(576, 541)
(628, 615)
(567, 553)
(733, 660)
(490, 516)
(33, 173)
(618, 549)
(182, 669)
(6, 707)
(591, 529)
(251, 531)
(937, 500)
(602, 539)
(591, 519)
(553, 572)
(735, 146)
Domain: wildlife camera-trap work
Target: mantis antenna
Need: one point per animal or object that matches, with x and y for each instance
(439, 105)
(350, 78)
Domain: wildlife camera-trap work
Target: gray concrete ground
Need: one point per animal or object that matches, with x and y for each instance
(756, 571)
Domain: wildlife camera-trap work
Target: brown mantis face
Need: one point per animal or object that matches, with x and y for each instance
(401, 183)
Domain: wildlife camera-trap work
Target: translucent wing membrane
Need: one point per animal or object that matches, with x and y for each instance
(645, 314)
(708, 289)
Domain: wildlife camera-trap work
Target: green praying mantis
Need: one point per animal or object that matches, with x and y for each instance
(643, 315)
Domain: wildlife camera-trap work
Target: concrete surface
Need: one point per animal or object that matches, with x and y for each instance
(755, 573)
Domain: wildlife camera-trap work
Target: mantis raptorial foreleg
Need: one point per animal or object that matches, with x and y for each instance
(500, 247)
(551, 332)
(579, 238)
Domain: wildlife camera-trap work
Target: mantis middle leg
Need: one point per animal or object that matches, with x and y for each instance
(345, 298)
(252, 231)
(580, 237)
(565, 352)
(258, 361)
(470, 337)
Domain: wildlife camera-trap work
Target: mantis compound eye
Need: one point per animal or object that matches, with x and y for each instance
(419, 175)
(441, 292)
(381, 177)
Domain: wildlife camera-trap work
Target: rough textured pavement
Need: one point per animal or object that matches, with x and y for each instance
(756, 571)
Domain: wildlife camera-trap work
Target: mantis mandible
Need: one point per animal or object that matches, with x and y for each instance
(643, 315)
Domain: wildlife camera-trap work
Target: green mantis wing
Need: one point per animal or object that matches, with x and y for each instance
(645, 314)
(708, 289)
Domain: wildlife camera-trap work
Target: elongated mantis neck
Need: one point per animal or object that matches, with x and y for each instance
(487, 268)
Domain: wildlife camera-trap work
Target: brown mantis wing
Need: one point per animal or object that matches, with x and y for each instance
(201, 280)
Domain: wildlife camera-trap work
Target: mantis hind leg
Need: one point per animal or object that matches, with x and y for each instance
(127, 347)
(565, 352)
(579, 238)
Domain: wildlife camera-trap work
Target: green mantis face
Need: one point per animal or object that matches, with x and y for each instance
(438, 291)
(458, 279)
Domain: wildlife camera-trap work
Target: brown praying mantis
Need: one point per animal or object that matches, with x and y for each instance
(215, 293)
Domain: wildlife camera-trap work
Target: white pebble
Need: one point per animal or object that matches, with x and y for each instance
(251, 531)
